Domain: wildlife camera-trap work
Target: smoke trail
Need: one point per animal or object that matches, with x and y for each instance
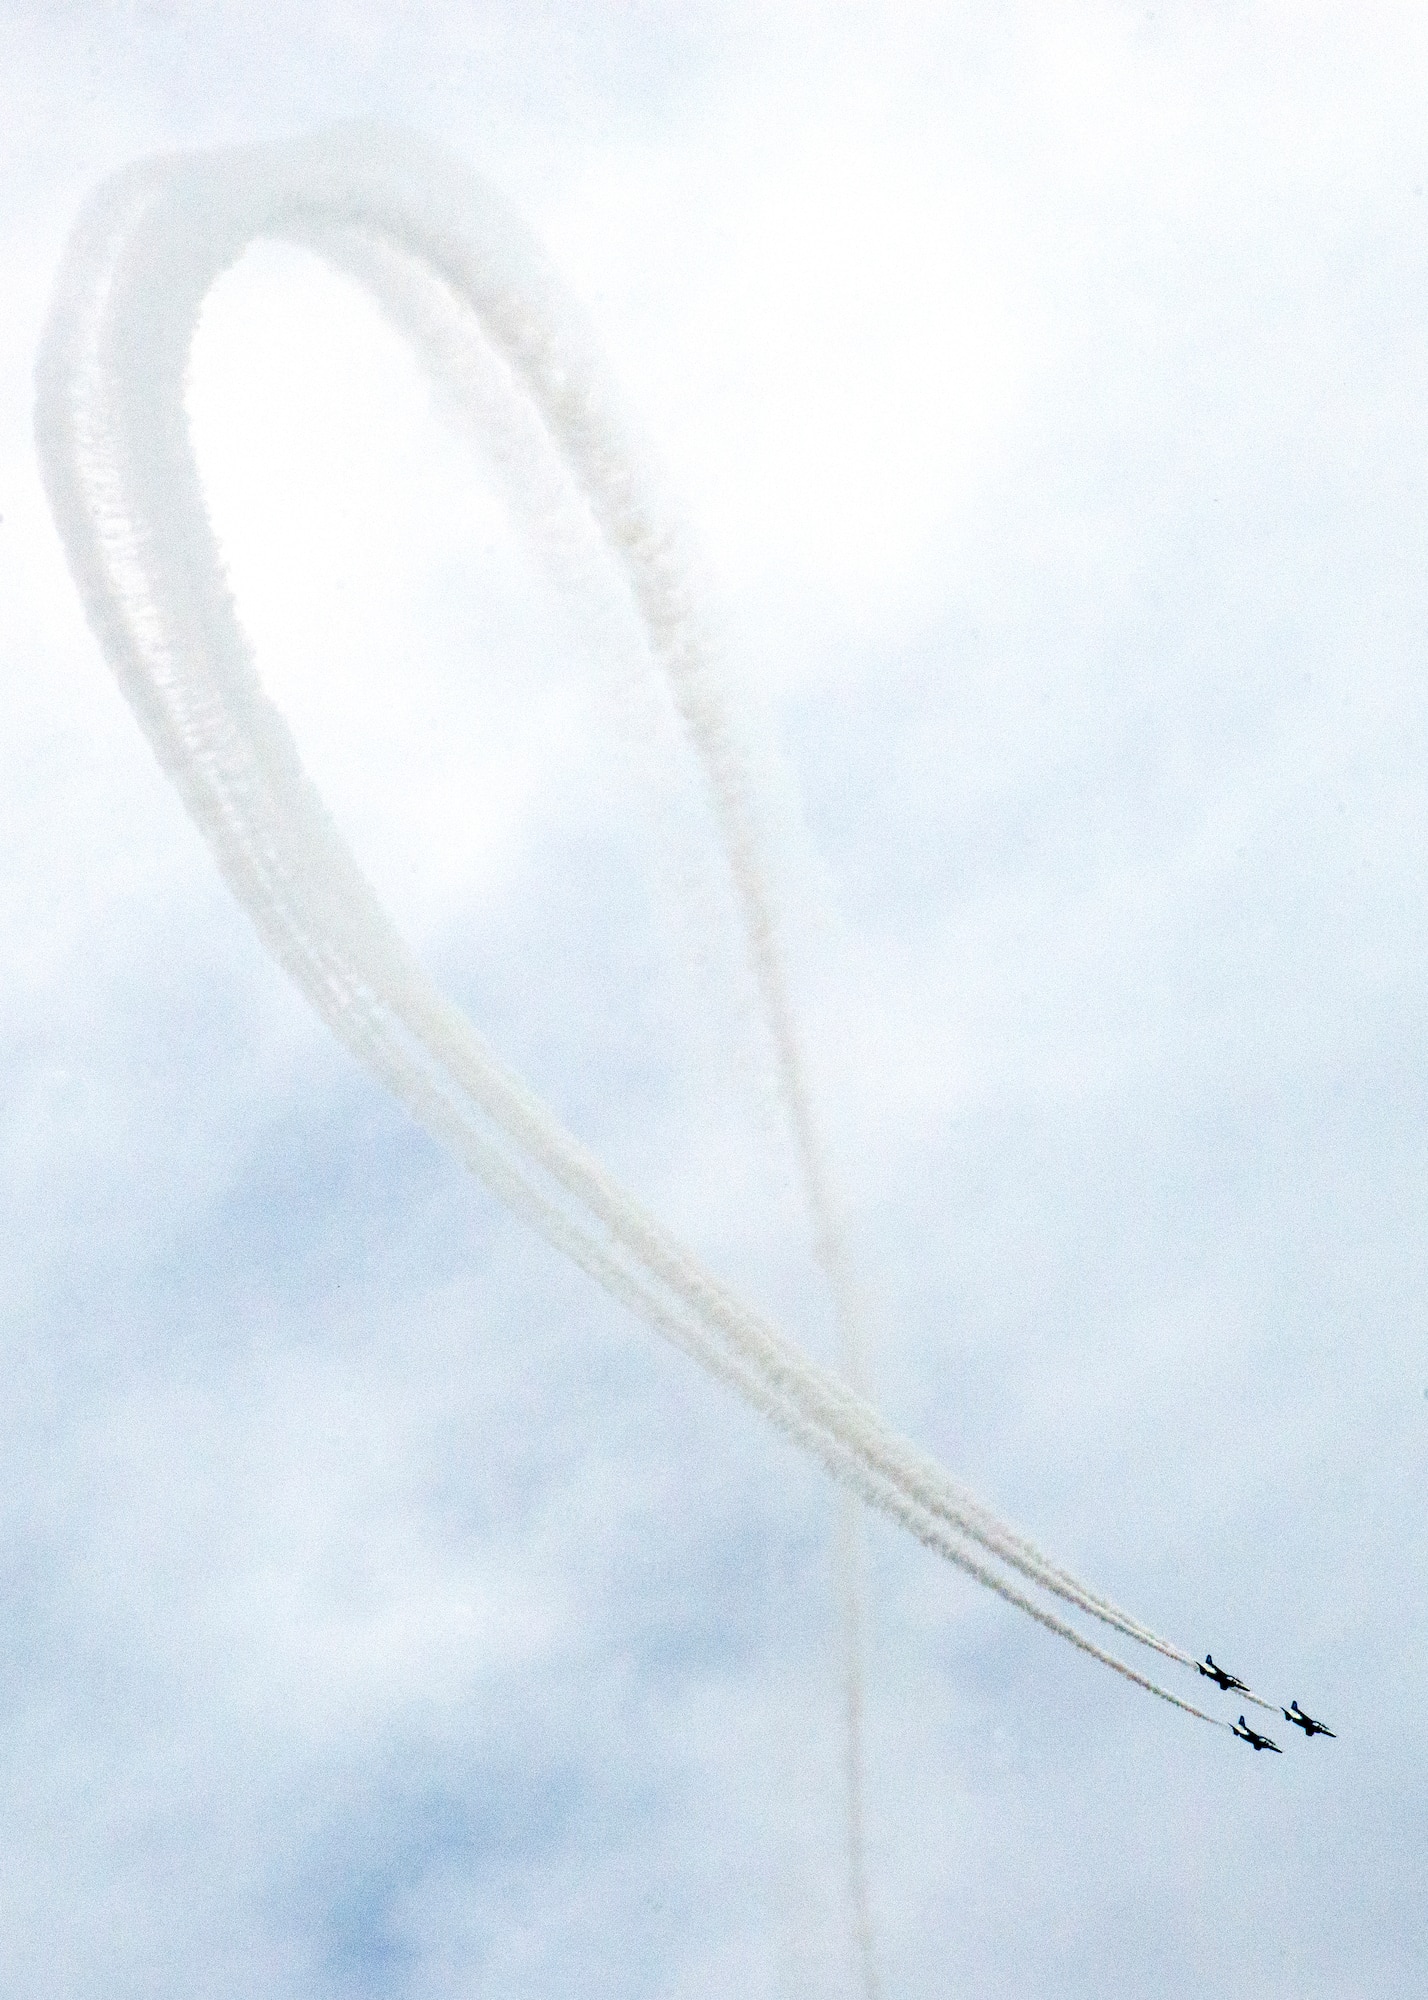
(126, 494)
(449, 341)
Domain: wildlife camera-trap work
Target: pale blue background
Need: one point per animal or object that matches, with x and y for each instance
(384, 1613)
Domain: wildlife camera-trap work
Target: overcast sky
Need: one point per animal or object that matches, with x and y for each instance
(385, 1614)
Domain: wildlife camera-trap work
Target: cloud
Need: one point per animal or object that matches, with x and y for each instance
(1103, 697)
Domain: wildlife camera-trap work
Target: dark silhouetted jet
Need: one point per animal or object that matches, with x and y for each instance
(1295, 1714)
(1218, 1675)
(1248, 1735)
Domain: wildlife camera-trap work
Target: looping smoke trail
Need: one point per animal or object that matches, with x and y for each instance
(451, 268)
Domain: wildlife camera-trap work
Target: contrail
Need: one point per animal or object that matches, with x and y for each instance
(451, 267)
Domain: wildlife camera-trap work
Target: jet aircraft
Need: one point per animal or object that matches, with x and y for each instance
(1218, 1675)
(1295, 1714)
(1248, 1735)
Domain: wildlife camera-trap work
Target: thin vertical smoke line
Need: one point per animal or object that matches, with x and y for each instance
(460, 362)
(850, 1577)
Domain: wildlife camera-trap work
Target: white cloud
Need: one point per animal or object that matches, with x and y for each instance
(385, 1616)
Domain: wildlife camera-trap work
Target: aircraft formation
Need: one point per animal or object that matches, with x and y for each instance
(126, 493)
(1228, 1682)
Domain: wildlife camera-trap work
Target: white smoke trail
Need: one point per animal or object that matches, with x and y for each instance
(450, 266)
(599, 453)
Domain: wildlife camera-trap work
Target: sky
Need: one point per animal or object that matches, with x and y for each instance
(386, 1613)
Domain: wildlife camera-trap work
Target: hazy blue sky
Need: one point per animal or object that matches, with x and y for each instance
(386, 1615)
